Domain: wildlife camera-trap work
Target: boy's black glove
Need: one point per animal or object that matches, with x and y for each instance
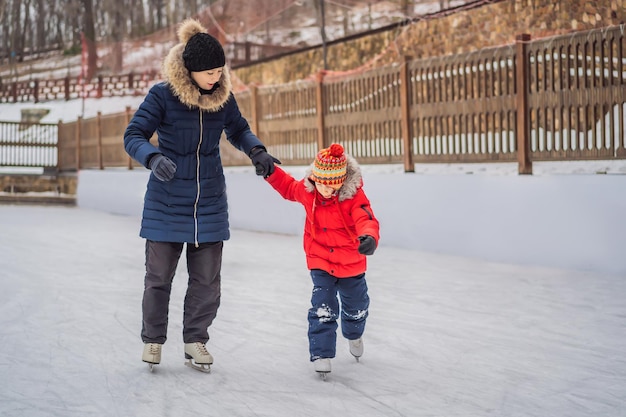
(163, 167)
(367, 245)
(263, 161)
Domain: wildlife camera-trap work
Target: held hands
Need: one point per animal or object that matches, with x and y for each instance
(367, 245)
(263, 161)
(163, 167)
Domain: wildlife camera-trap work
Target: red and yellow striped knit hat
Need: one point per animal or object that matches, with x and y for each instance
(330, 166)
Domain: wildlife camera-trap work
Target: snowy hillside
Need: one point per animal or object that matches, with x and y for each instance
(295, 26)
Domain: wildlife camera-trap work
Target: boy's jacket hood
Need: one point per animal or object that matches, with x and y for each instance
(353, 181)
(179, 78)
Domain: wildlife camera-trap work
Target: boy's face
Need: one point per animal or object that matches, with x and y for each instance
(327, 191)
(207, 79)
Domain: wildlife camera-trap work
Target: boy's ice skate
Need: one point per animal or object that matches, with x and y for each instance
(356, 348)
(198, 357)
(322, 367)
(151, 354)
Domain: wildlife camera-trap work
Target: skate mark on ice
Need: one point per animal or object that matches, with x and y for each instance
(385, 409)
(122, 324)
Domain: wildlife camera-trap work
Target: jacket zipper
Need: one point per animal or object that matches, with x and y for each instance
(195, 204)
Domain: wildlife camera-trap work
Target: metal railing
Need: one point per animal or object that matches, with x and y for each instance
(28, 144)
(71, 88)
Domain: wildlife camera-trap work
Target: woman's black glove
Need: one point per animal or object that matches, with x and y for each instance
(163, 167)
(367, 245)
(263, 161)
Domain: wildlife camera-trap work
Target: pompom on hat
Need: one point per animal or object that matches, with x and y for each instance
(202, 51)
(330, 166)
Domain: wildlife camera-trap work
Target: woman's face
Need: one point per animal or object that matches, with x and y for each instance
(327, 191)
(207, 79)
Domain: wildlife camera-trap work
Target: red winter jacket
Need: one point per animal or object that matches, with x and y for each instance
(332, 226)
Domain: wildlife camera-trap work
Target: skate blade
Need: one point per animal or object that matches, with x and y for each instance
(202, 367)
(151, 366)
(322, 375)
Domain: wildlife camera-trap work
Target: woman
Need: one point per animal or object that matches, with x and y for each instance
(185, 202)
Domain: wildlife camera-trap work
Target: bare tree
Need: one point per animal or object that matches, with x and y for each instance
(27, 38)
(321, 21)
(156, 17)
(89, 32)
(3, 7)
(3, 31)
(136, 18)
(117, 35)
(60, 22)
(16, 27)
(41, 26)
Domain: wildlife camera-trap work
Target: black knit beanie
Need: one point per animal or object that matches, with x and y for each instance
(203, 52)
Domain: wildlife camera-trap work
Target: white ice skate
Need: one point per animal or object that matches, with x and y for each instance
(198, 357)
(322, 367)
(356, 348)
(151, 354)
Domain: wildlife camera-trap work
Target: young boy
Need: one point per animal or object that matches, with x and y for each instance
(340, 229)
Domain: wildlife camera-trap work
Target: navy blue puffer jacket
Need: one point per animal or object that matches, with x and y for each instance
(192, 207)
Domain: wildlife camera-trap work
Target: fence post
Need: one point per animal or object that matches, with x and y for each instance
(67, 88)
(405, 116)
(130, 160)
(36, 90)
(99, 88)
(522, 135)
(319, 106)
(79, 123)
(99, 133)
(14, 91)
(60, 134)
(131, 77)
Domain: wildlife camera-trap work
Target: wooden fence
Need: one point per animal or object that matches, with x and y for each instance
(94, 143)
(552, 99)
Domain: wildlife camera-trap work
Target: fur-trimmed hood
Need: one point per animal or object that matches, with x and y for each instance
(179, 78)
(353, 181)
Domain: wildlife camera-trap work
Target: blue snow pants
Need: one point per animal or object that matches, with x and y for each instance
(325, 311)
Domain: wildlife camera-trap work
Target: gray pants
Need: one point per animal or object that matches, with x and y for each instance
(204, 264)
